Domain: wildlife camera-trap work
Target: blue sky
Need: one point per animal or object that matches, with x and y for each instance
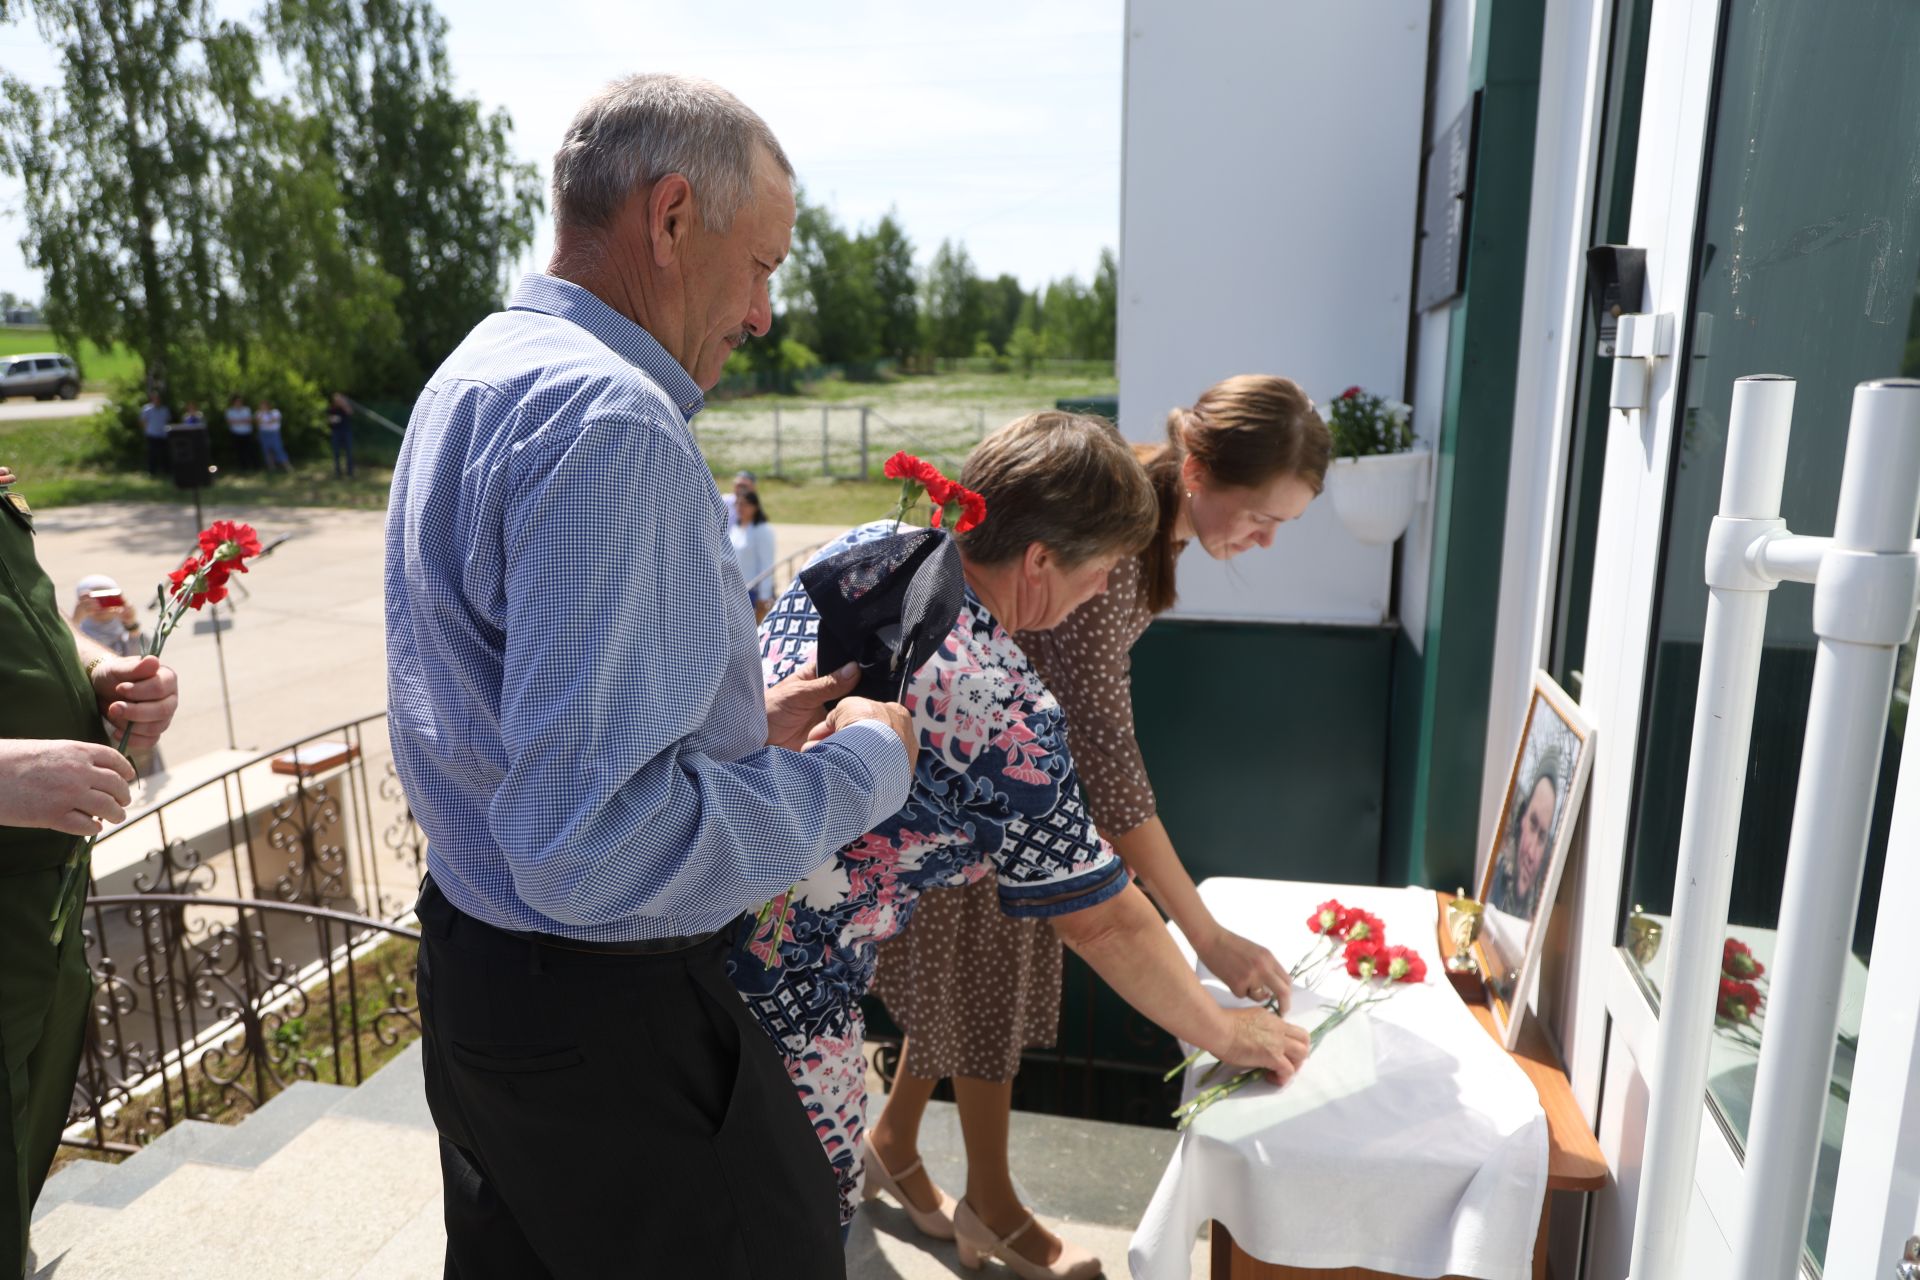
(995, 123)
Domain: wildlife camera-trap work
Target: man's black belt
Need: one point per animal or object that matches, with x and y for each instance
(636, 947)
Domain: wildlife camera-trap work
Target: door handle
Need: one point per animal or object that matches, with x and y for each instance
(1642, 339)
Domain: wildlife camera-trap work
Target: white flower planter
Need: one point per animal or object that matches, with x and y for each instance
(1375, 497)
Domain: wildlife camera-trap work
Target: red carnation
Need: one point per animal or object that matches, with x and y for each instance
(1349, 393)
(919, 474)
(1739, 1001)
(230, 541)
(973, 507)
(1403, 964)
(904, 466)
(1361, 924)
(1364, 957)
(206, 580)
(1326, 917)
(1736, 961)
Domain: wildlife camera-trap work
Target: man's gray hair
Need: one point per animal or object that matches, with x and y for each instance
(639, 129)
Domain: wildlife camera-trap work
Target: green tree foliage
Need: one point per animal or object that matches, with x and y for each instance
(1029, 343)
(128, 166)
(239, 241)
(999, 309)
(828, 282)
(1103, 327)
(896, 289)
(953, 317)
(852, 297)
(428, 182)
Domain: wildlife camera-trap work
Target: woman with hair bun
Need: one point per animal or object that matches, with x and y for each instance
(973, 988)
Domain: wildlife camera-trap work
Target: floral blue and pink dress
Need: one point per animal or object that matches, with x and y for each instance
(994, 793)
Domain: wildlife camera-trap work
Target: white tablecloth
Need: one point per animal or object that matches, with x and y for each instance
(1409, 1142)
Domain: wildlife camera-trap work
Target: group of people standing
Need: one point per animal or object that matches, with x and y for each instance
(254, 432)
(616, 769)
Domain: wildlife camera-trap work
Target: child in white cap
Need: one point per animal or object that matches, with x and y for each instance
(104, 616)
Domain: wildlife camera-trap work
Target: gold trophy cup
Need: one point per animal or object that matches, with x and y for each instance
(1643, 937)
(1463, 926)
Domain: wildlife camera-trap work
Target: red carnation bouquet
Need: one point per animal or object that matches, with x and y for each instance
(958, 506)
(1359, 939)
(225, 546)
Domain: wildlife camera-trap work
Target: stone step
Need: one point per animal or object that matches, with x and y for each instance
(146, 1169)
(286, 1116)
(77, 1176)
(162, 1235)
(418, 1251)
(58, 1230)
(322, 1206)
(1087, 1181)
(395, 1094)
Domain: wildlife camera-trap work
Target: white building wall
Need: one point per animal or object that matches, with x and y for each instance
(1269, 198)
(1450, 77)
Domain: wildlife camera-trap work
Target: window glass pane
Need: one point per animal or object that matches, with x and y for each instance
(1807, 266)
(1613, 207)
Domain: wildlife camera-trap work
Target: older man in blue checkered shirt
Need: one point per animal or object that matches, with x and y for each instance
(579, 719)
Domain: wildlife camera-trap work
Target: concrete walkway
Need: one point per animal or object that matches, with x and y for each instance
(28, 409)
(304, 640)
(327, 1182)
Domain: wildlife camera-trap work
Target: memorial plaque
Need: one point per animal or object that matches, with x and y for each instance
(1445, 209)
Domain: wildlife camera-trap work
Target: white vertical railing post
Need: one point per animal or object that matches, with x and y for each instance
(1863, 610)
(1876, 1202)
(1757, 431)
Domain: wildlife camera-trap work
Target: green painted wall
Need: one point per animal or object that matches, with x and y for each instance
(1267, 745)
(1440, 696)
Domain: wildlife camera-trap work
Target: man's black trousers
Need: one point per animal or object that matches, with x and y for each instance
(610, 1115)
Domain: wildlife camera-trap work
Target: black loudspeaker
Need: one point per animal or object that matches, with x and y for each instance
(192, 457)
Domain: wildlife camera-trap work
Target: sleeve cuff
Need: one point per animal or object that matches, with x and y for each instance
(1059, 898)
(880, 749)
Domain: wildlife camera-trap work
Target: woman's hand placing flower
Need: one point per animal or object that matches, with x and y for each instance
(1247, 968)
(1359, 940)
(1263, 1042)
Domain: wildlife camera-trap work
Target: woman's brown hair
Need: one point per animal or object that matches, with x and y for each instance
(1245, 431)
(1063, 480)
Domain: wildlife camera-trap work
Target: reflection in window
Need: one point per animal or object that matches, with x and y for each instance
(1808, 267)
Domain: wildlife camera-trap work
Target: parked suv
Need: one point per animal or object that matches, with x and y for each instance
(42, 376)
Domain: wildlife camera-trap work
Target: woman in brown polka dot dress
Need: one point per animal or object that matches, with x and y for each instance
(973, 988)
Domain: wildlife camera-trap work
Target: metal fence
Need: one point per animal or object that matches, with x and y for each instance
(842, 442)
(235, 931)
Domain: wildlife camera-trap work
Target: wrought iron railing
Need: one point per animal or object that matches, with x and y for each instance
(244, 932)
(783, 570)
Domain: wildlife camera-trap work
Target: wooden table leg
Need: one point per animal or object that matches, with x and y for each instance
(1540, 1240)
(1220, 1252)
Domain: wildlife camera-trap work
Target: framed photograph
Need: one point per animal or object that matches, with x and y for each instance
(1528, 848)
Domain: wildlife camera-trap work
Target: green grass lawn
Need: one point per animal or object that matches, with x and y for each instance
(60, 461)
(97, 367)
(57, 462)
(836, 502)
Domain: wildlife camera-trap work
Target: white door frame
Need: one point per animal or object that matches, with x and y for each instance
(1567, 136)
(1877, 1201)
(1676, 94)
(1603, 999)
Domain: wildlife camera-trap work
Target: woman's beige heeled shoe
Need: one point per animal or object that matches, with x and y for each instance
(937, 1222)
(978, 1243)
